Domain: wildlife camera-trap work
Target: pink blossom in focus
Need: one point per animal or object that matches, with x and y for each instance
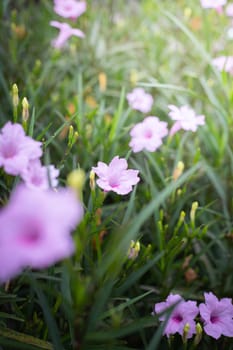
(184, 312)
(40, 177)
(66, 31)
(217, 315)
(115, 176)
(69, 8)
(35, 229)
(17, 149)
(229, 10)
(148, 134)
(141, 101)
(214, 4)
(224, 63)
(185, 118)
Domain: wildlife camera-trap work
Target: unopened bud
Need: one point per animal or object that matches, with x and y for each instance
(15, 95)
(193, 211)
(76, 180)
(102, 81)
(134, 249)
(198, 335)
(185, 333)
(25, 112)
(92, 180)
(178, 170)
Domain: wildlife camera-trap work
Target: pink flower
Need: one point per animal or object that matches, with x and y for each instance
(229, 10)
(17, 149)
(217, 315)
(214, 4)
(148, 134)
(69, 8)
(35, 229)
(184, 312)
(66, 31)
(40, 177)
(115, 176)
(185, 118)
(224, 63)
(141, 101)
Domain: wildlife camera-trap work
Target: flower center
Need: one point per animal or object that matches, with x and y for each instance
(9, 150)
(31, 233)
(214, 319)
(177, 318)
(148, 134)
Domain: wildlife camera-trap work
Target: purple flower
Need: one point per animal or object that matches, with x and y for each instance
(148, 134)
(224, 63)
(217, 315)
(214, 4)
(184, 312)
(141, 101)
(69, 8)
(40, 177)
(115, 176)
(229, 10)
(17, 149)
(185, 118)
(35, 229)
(66, 31)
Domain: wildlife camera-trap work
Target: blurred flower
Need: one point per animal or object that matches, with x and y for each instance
(17, 149)
(230, 32)
(185, 118)
(229, 10)
(115, 176)
(35, 229)
(141, 101)
(40, 177)
(224, 63)
(148, 134)
(182, 314)
(69, 8)
(217, 315)
(66, 31)
(214, 4)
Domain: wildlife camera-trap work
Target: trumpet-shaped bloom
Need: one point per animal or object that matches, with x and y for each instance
(141, 101)
(66, 31)
(17, 149)
(185, 118)
(69, 8)
(224, 63)
(115, 176)
(35, 229)
(183, 312)
(148, 134)
(40, 177)
(217, 315)
(214, 4)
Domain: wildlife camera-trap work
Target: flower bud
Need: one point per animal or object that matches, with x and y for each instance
(15, 95)
(193, 211)
(25, 112)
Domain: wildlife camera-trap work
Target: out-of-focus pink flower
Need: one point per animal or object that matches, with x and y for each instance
(35, 229)
(115, 176)
(66, 31)
(185, 118)
(17, 149)
(141, 101)
(184, 312)
(224, 63)
(214, 4)
(69, 8)
(217, 315)
(40, 177)
(148, 134)
(229, 10)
